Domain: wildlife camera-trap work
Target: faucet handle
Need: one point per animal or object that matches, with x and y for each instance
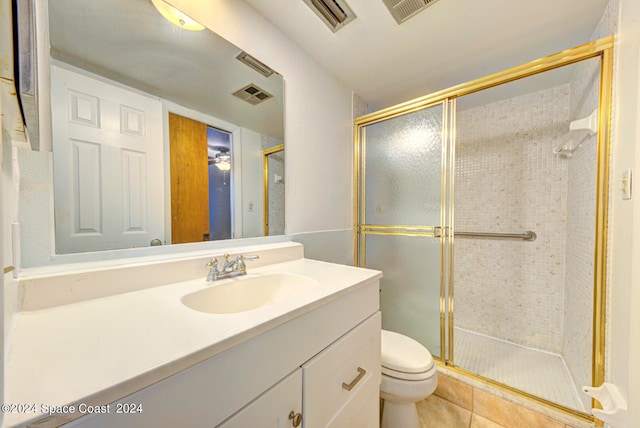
(212, 263)
(240, 261)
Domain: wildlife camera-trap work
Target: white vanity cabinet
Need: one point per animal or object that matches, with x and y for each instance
(340, 388)
(309, 363)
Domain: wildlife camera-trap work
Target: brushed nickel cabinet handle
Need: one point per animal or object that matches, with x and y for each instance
(295, 418)
(350, 386)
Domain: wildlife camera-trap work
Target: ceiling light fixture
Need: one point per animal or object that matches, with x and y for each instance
(176, 17)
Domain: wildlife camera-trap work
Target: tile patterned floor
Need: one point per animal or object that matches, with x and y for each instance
(538, 373)
(456, 404)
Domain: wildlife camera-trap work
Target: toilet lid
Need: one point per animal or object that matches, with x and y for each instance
(403, 354)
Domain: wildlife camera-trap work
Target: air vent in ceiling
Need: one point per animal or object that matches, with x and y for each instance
(334, 13)
(401, 10)
(258, 66)
(252, 94)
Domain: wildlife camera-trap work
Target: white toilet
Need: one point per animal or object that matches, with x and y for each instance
(408, 376)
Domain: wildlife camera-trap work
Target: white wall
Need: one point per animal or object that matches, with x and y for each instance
(251, 174)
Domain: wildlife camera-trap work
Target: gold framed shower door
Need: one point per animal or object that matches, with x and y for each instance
(602, 49)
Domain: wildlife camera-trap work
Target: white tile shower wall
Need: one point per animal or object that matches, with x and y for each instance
(578, 317)
(507, 180)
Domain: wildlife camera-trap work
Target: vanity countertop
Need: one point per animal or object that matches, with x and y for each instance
(99, 350)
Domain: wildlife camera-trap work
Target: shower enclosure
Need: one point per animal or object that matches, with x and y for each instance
(485, 206)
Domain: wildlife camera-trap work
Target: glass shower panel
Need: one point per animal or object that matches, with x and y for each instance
(402, 185)
(523, 308)
(403, 158)
(410, 289)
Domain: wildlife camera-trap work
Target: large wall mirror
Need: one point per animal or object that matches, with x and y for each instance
(159, 133)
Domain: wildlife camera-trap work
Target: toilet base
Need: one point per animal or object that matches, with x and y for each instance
(395, 415)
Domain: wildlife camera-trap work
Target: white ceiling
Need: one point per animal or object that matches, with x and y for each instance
(451, 42)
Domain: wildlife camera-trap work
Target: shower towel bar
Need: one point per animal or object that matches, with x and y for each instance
(529, 235)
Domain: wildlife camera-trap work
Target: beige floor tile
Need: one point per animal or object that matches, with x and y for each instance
(455, 391)
(480, 422)
(434, 412)
(509, 414)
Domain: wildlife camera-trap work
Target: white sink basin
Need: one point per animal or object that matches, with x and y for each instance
(248, 292)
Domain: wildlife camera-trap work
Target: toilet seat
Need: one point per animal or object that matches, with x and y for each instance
(405, 358)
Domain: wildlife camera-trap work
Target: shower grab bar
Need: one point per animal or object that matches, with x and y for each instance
(529, 235)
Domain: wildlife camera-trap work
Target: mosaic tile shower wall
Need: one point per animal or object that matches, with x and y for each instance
(507, 180)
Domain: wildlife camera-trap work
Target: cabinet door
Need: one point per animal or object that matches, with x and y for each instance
(271, 409)
(342, 383)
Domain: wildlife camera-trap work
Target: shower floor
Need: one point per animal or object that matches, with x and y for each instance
(536, 372)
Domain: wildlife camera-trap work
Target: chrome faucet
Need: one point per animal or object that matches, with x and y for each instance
(230, 269)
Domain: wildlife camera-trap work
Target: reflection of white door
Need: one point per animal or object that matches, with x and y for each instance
(108, 165)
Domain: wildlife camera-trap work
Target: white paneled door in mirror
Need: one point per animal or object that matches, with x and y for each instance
(108, 165)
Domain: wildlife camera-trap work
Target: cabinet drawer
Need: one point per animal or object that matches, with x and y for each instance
(341, 383)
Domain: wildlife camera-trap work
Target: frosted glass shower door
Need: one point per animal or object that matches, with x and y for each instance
(400, 215)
